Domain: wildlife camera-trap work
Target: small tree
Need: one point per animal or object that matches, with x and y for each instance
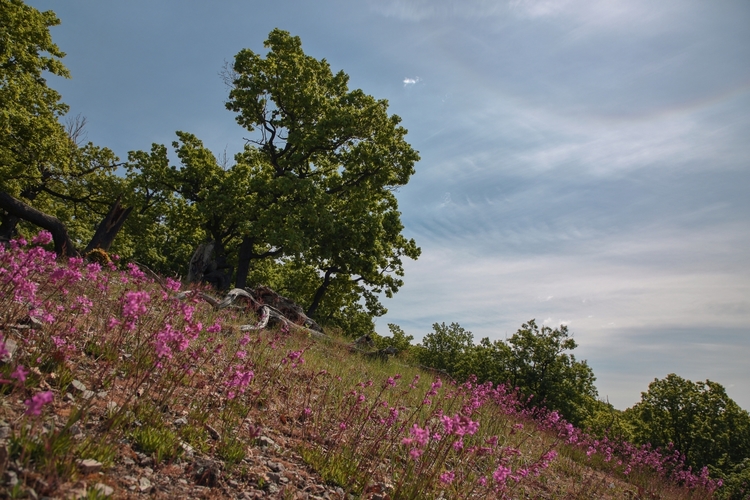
(446, 348)
(540, 367)
(702, 422)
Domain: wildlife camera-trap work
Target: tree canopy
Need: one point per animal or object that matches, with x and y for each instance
(534, 360)
(47, 175)
(698, 418)
(312, 193)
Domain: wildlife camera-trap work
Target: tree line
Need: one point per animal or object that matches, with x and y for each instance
(698, 419)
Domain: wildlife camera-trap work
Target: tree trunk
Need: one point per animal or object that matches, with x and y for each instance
(63, 245)
(243, 262)
(109, 227)
(209, 264)
(320, 293)
(8, 228)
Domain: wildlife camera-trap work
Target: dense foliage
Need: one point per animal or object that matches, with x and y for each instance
(534, 360)
(702, 422)
(43, 162)
(308, 207)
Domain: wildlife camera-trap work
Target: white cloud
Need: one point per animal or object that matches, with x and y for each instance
(411, 81)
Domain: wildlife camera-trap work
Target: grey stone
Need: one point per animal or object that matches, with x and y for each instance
(89, 466)
(77, 386)
(265, 441)
(104, 489)
(11, 477)
(144, 484)
(10, 346)
(276, 467)
(187, 450)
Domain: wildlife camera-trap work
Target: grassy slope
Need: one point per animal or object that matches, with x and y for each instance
(174, 380)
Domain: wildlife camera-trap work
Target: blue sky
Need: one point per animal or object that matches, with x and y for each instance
(583, 162)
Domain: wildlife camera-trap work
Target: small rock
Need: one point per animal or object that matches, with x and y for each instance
(144, 484)
(102, 394)
(187, 450)
(180, 422)
(266, 441)
(31, 492)
(10, 347)
(11, 478)
(104, 489)
(112, 407)
(275, 477)
(145, 461)
(128, 461)
(77, 386)
(276, 467)
(89, 466)
(4, 432)
(69, 397)
(213, 433)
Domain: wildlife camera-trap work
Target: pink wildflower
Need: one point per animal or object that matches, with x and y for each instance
(37, 401)
(447, 477)
(20, 373)
(501, 474)
(42, 238)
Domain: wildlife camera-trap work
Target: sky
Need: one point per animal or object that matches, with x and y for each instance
(582, 162)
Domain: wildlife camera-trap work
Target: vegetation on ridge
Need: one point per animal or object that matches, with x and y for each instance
(149, 360)
(308, 208)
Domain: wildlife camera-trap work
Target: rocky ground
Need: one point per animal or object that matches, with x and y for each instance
(271, 469)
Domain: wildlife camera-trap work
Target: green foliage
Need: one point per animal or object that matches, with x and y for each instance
(736, 482)
(398, 339)
(539, 366)
(313, 191)
(702, 422)
(231, 450)
(29, 108)
(44, 163)
(160, 442)
(605, 420)
(337, 469)
(446, 348)
(533, 360)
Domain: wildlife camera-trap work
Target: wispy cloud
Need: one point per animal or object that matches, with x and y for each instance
(411, 81)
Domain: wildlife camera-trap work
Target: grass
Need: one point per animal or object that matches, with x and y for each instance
(363, 425)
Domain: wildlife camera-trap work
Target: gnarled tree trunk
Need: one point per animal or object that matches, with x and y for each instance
(63, 244)
(109, 227)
